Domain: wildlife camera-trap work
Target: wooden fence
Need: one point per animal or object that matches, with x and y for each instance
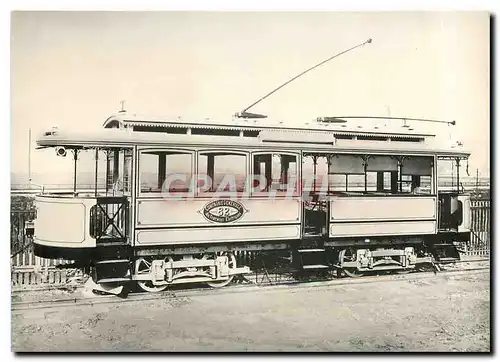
(28, 271)
(479, 243)
(18, 238)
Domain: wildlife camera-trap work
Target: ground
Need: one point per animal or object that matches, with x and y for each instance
(442, 313)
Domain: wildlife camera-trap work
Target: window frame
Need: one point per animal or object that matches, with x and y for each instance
(124, 154)
(433, 186)
(298, 159)
(156, 195)
(346, 192)
(400, 175)
(455, 186)
(228, 151)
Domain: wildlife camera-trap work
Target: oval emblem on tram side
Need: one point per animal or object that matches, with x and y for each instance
(223, 211)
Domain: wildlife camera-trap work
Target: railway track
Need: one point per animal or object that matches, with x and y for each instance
(246, 286)
(71, 285)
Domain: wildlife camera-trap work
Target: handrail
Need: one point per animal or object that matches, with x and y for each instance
(42, 187)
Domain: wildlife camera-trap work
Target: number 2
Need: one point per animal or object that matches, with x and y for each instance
(223, 211)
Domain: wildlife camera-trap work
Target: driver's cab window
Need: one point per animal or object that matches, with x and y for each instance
(451, 172)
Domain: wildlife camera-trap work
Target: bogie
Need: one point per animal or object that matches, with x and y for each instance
(357, 261)
(155, 274)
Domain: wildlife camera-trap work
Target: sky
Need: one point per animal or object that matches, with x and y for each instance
(72, 69)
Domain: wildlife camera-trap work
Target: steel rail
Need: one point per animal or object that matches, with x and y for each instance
(237, 288)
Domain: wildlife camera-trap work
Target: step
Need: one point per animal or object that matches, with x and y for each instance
(310, 250)
(107, 243)
(113, 261)
(312, 234)
(315, 266)
(447, 260)
(113, 280)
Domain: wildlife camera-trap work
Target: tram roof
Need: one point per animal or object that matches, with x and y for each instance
(282, 140)
(338, 126)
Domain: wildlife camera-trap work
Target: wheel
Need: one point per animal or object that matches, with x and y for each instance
(353, 272)
(143, 266)
(148, 286)
(427, 267)
(232, 265)
(91, 288)
(350, 255)
(404, 271)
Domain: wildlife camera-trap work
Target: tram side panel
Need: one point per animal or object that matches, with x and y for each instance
(205, 221)
(365, 216)
(380, 233)
(62, 227)
(396, 232)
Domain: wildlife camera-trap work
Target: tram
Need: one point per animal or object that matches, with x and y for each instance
(181, 198)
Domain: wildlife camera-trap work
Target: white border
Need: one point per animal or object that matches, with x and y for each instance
(294, 5)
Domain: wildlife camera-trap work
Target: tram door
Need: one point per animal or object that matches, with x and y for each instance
(111, 213)
(315, 216)
(315, 196)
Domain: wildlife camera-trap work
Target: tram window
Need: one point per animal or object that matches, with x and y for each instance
(379, 182)
(406, 185)
(371, 182)
(387, 181)
(158, 171)
(226, 171)
(414, 184)
(375, 182)
(347, 173)
(416, 175)
(382, 174)
(277, 171)
(425, 184)
(118, 170)
(449, 176)
(356, 183)
(378, 173)
(338, 183)
(419, 185)
(310, 182)
(127, 167)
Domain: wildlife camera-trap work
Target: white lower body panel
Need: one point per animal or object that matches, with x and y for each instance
(380, 228)
(216, 234)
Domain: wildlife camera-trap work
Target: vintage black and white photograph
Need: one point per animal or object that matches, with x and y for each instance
(250, 181)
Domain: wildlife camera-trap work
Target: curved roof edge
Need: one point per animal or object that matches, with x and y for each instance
(118, 120)
(123, 120)
(126, 137)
